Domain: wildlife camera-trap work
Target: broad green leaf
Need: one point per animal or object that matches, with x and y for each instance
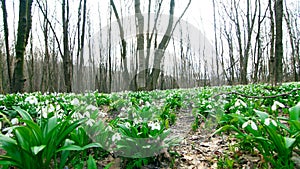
(24, 114)
(262, 115)
(7, 160)
(35, 129)
(289, 142)
(51, 124)
(91, 145)
(295, 112)
(5, 139)
(37, 149)
(70, 148)
(91, 163)
(227, 128)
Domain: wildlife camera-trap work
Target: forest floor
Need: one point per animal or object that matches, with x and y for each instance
(198, 149)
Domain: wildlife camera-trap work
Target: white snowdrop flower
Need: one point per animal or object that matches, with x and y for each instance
(238, 112)
(141, 102)
(44, 112)
(14, 121)
(154, 126)
(51, 108)
(0, 125)
(90, 122)
(9, 131)
(209, 106)
(137, 120)
(31, 100)
(75, 102)
(127, 125)
(240, 102)
(147, 104)
(237, 103)
(245, 124)
(91, 107)
(3, 108)
(77, 115)
(269, 120)
(253, 125)
(116, 137)
(102, 114)
(87, 114)
(276, 104)
(57, 107)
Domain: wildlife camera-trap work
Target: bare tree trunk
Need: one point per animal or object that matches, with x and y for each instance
(278, 41)
(140, 81)
(6, 34)
(24, 27)
(272, 58)
(1, 74)
(45, 71)
(216, 43)
(292, 42)
(124, 44)
(67, 62)
(159, 53)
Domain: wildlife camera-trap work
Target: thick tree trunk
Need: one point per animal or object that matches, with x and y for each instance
(141, 78)
(24, 27)
(67, 62)
(278, 41)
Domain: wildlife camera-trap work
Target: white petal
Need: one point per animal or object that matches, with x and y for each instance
(274, 123)
(245, 124)
(253, 125)
(237, 103)
(14, 121)
(280, 104)
(267, 121)
(274, 107)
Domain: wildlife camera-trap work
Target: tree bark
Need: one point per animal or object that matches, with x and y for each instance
(141, 78)
(67, 62)
(24, 27)
(6, 35)
(278, 41)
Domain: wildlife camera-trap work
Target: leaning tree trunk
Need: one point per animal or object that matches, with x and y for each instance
(24, 27)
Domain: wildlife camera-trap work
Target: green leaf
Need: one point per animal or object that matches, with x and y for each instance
(295, 112)
(289, 142)
(91, 145)
(91, 163)
(7, 160)
(70, 148)
(108, 165)
(262, 115)
(37, 149)
(5, 139)
(24, 114)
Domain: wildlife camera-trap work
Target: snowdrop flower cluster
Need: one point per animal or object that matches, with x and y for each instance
(116, 137)
(251, 123)
(31, 100)
(154, 125)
